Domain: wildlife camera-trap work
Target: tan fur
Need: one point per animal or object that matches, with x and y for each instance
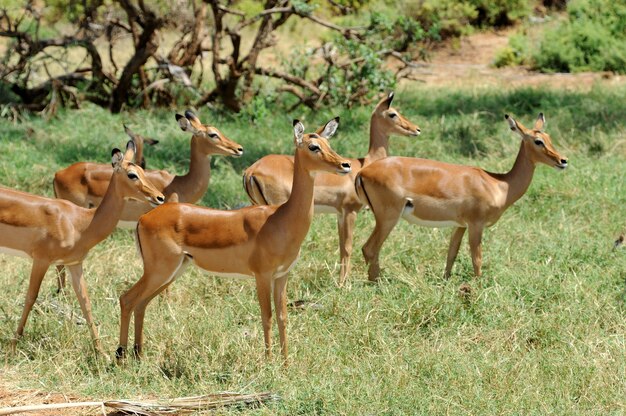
(436, 194)
(261, 242)
(268, 181)
(53, 231)
(85, 183)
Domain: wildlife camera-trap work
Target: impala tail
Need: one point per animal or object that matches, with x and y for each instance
(253, 189)
(359, 186)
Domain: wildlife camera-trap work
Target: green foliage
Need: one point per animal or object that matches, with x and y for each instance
(515, 53)
(454, 17)
(591, 38)
(549, 310)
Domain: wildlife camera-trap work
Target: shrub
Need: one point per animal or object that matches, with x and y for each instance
(593, 38)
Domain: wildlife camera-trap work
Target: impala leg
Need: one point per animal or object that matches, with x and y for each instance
(371, 249)
(345, 221)
(264, 294)
(140, 309)
(453, 249)
(280, 305)
(155, 278)
(60, 278)
(37, 274)
(80, 288)
(475, 242)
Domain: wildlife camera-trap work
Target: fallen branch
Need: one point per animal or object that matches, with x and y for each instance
(155, 408)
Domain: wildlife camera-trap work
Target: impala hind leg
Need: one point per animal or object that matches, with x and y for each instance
(80, 288)
(345, 222)
(140, 309)
(264, 295)
(156, 277)
(280, 305)
(453, 249)
(37, 274)
(385, 221)
(475, 242)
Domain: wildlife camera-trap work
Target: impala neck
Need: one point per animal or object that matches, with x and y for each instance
(379, 142)
(194, 184)
(519, 177)
(298, 210)
(105, 216)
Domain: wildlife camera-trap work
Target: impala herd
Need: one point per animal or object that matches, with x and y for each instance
(261, 241)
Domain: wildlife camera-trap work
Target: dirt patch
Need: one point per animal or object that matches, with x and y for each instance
(468, 62)
(13, 397)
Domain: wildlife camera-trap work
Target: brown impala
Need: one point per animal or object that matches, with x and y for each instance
(262, 242)
(54, 231)
(437, 194)
(268, 181)
(85, 183)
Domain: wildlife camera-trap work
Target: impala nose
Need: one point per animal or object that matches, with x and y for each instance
(160, 199)
(563, 161)
(346, 165)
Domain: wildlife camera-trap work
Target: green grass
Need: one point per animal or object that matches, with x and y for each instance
(541, 332)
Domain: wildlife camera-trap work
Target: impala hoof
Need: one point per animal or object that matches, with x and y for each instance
(120, 353)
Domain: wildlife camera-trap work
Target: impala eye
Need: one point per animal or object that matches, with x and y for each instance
(393, 115)
(314, 148)
(539, 142)
(213, 135)
(132, 176)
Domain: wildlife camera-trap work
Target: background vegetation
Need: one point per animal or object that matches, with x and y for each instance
(591, 36)
(541, 332)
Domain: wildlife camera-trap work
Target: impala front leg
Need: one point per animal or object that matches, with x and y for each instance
(453, 249)
(80, 288)
(345, 221)
(280, 306)
(475, 242)
(264, 294)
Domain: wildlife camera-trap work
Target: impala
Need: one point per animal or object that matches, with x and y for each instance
(54, 231)
(268, 181)
(262, 242)
(85, 183)
(437, 194)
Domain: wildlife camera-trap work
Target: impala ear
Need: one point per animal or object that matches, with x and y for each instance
(330, 128)
(540, 122)
(513, 125)
(298, 132)
(191, 116)
(183, 123)
(389, 99)
(116, 157)
(128, 131)
(130, 151)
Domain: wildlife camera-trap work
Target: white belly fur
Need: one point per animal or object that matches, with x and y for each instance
(408, 215)
(12, 252)
(127, 224)
(325, 209)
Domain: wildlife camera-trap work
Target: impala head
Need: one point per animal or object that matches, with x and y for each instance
(538, 142)
(211, 140)
(133, 180)
(392, 121)
(314, 148)
(139, 143)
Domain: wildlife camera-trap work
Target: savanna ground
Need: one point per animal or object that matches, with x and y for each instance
(543, 331)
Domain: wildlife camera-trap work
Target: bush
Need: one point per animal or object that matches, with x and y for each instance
(593, 38)
(454, 17)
